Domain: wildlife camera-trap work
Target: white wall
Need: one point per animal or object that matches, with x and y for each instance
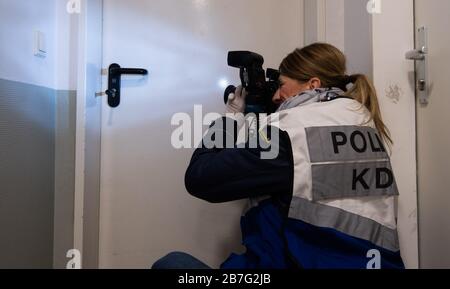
(311, 22)
(18, 20)
(337, 23)
(358, 37)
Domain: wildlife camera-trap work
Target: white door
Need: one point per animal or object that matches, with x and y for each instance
(433, 138)
(145, 210)
(393, 36)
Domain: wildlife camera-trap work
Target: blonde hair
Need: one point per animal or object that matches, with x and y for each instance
(328, 63)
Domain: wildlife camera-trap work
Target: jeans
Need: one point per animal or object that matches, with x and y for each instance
(179, 260)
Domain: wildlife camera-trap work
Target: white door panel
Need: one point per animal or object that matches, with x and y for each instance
(145, 210)
(393, 36)
(434, 139)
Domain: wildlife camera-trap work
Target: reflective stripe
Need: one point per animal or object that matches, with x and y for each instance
(354, 225)
(344, 143)
(345, 180)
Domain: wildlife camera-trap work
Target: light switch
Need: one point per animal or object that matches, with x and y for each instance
(40, 49)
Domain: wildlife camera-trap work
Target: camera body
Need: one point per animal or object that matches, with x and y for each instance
(260, 86)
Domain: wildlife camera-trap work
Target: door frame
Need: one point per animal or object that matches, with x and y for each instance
(384, 45)
(88, 132)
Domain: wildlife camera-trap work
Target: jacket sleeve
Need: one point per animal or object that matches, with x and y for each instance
(221, 175)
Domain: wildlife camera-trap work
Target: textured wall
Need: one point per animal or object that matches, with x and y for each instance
(27, 167)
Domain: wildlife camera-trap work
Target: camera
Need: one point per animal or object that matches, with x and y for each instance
(260, 86)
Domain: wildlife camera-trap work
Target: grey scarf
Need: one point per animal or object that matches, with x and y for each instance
(311, 96)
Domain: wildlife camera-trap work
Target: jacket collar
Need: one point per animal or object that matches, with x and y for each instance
(311, 96)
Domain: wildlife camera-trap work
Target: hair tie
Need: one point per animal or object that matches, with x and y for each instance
(352, 78)
(348, 79)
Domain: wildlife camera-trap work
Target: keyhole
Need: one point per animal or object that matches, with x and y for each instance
(422, 84)
(111, 92)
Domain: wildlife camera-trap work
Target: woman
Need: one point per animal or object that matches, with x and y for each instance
(327, 200)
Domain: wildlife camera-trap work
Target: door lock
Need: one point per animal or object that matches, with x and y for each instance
(420, 56)
(114, 80)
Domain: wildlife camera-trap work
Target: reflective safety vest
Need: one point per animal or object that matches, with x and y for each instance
(342, 213)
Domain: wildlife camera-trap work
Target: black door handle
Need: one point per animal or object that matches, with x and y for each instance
(114, 80)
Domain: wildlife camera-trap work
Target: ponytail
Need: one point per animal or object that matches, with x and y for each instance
(364, 92)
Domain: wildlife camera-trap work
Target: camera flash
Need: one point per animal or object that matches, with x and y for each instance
(223, 83)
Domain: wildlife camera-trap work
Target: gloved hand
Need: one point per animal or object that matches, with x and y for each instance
(236, 101)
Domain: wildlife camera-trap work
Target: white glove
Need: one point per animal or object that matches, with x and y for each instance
(236, 101)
